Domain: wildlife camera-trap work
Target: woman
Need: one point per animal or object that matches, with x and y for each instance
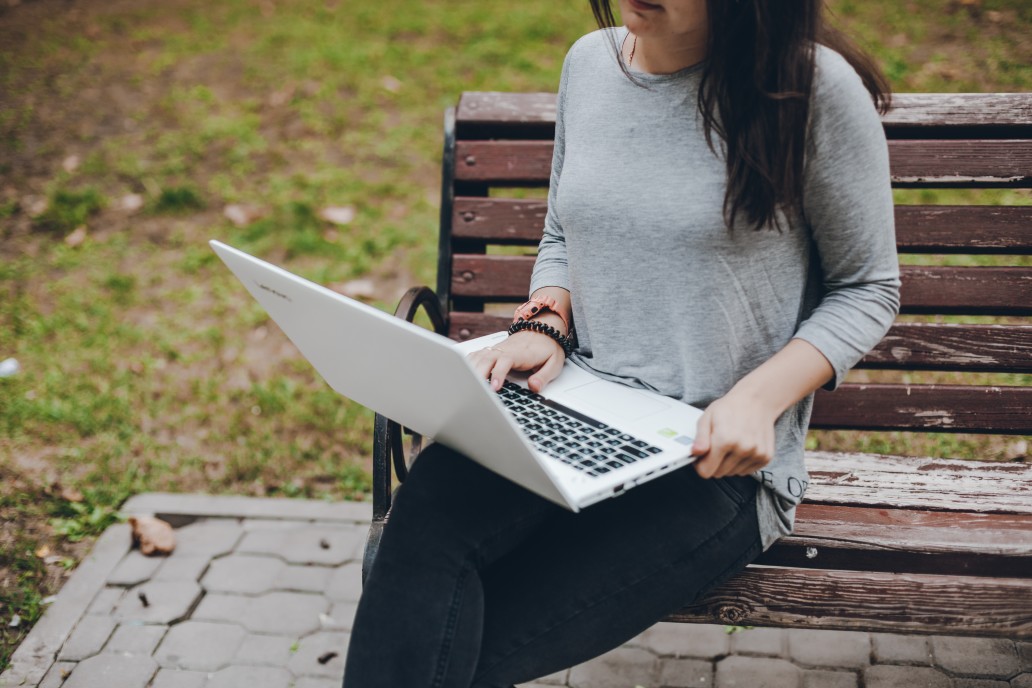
(719, 230)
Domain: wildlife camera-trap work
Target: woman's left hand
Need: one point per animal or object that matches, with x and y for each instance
(735, 436)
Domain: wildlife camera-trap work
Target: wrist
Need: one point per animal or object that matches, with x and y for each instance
(757, 399)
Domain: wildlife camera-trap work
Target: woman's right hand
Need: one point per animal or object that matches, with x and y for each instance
(525, 350)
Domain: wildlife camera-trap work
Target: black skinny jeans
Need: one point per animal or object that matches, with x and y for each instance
(479, 583)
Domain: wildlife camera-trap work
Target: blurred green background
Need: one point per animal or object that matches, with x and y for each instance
(307, 132)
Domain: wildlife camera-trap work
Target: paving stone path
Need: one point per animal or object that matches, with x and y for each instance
(260, 593)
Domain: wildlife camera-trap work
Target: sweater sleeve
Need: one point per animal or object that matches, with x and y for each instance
(848, 205)
(550, 268)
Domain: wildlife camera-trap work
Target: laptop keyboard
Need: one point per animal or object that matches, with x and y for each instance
(586, 444)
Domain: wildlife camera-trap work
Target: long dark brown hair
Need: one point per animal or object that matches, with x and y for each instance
(755, 96)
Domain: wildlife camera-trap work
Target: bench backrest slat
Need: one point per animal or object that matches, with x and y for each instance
(504, 140)
(943, 163)
(998, 114)
(970, 229)
(933, 289)
(944, 408)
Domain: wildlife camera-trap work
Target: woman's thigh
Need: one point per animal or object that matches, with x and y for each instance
(582, 584)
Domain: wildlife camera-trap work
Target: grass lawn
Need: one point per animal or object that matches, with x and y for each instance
(127, 128)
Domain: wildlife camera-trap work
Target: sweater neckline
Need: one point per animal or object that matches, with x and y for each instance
(649, 77)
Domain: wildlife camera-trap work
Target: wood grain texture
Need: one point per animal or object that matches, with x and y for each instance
(907, 346)
(919, 229)
(945, 290)
(929, 484)
(906, 541)
(964, 229)
(851, 600)
(938, 346)
(929, 408)
(913, 163)
(996, 111)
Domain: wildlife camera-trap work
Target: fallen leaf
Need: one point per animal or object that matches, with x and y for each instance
(390, 83)
(70, 494)
(43, 552)
(77, 237)
(338, 215)
(35, 205)
(130, 203)
(70, 164)
(242, 215)
(326, 657)
(152, 535)
(16, 621)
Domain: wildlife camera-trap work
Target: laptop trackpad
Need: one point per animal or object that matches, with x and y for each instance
(625, 402)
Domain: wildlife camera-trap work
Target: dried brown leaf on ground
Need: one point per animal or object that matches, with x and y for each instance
(152, 535)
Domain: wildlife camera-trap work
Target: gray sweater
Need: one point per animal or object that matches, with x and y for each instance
(635, 218)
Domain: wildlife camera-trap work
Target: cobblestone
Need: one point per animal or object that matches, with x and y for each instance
(686, 673)
(106, 600)
(243, 574)
(265, 650)
(199, 646)
(250, 677)
(316, 682)
(134, 568)
(685, 640)
(219, 607)
(182, 568)
(345, 583)
(819, 678)
(288, 613)
(895, 648)
(757, 672)
(106, 671)
(57, 675)
(1024, 655)
(265, 623)
(303, 578)
(207, 538)
(849, 649)
(760, 641)
(136, 639)
(984, 657)
(158, 602)
(173, 678)
(342, 615)
(888, 676)
(89, 636)
(328, 546)
(308, 660)
(619, 668)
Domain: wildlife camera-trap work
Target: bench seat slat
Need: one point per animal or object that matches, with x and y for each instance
(930, 484)
(874, 601)
(932, 408)
(940, 163)
(995, 111)
(954, 290)
(919, 229)
(906, 540)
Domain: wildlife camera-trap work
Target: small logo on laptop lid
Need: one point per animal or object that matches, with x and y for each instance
(272, 291)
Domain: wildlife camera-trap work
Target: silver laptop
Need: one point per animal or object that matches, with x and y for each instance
(582, 440)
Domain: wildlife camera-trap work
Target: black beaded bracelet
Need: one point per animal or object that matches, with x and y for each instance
(545, 329)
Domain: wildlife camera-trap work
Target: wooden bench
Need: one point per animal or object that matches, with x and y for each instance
(882, 543)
